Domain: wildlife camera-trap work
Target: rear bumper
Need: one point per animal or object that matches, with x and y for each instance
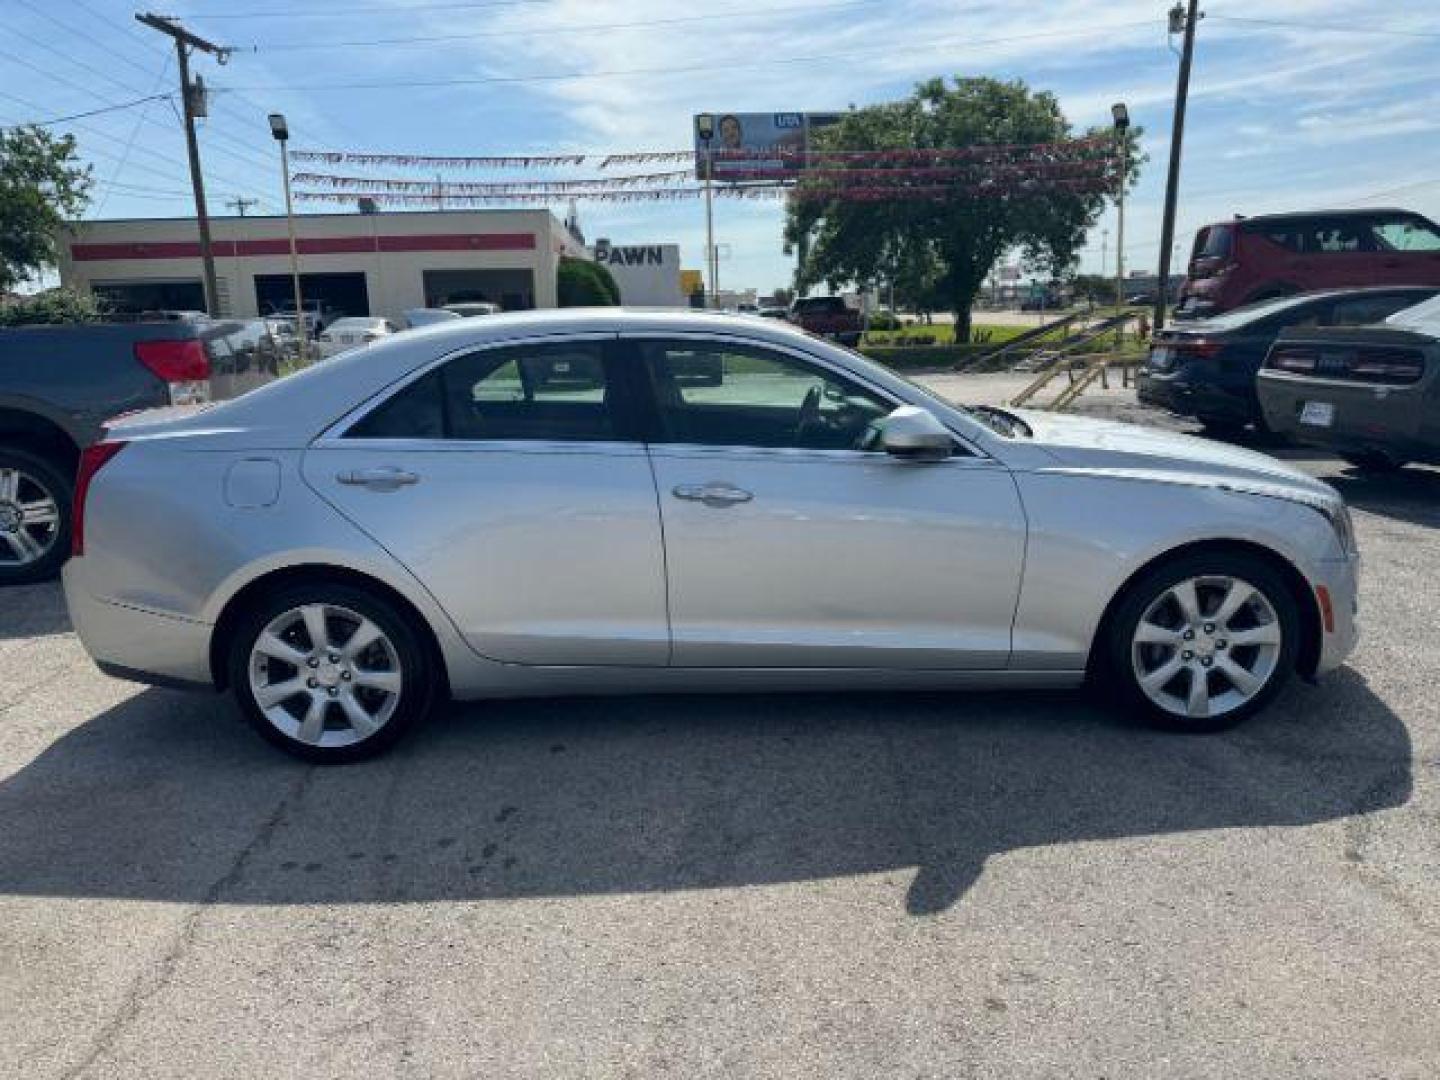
(135, 643)
(1177, 394)
(1364, 422)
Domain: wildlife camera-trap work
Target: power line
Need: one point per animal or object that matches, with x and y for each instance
(1343, 28)
(92, 112)
(349, 12)
(281, 46)
(672, 70)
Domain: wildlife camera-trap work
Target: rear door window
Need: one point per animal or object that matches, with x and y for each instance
(1364, 310)
(546, 393)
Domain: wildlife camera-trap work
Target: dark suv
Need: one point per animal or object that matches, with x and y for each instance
(1206, 368)
(1239, 262)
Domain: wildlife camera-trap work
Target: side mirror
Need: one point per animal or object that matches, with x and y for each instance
(913, 433)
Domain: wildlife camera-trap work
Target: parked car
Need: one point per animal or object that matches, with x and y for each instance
(317, 316)
(397, 526)
(59, 385)
(1371, 394)
(1206, 368)
(418, 317)
(827, 316)
(773, 312)
(350, 333)
(469, 309)
(1239, 262)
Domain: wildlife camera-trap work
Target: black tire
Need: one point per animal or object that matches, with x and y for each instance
(46, 475)
(1118, 669)
(1374, 462)
(416, 666)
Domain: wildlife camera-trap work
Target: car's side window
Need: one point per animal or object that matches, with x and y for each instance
(1406, 234)
(556, 392)
(724, 394)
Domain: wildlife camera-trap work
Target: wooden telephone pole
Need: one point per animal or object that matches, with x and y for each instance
(192, 94)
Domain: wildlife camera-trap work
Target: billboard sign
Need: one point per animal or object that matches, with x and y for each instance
(766, 135)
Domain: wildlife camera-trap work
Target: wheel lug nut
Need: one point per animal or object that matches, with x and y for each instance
(1203, 663)
(314, 661)
(334, 658)
(1187, 655)
(1189, 635)
(346, 675)
(1209, 628)
(1220, 644)
(332, 691)
(311, 683)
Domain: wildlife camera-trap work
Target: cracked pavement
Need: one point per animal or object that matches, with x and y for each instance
(820, 885)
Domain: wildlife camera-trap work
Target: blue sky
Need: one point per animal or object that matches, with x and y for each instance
(1294, 103)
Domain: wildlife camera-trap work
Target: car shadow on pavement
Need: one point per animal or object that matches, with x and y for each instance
(168, 797)
(28, 611)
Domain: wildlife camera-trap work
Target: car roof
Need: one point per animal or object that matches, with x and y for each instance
(1299, 215)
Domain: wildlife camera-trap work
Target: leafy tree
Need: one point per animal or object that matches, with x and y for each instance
(52, 306)
(944, 248)
(582, 283)
(41, 185)
(1095, 288)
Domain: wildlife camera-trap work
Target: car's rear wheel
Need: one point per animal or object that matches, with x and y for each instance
(330, 673)
(1202, 642)
(34, 518)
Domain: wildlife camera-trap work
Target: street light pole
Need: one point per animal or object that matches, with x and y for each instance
(705, 128)
(281, 131)
(1177, 136)
(1121, 116)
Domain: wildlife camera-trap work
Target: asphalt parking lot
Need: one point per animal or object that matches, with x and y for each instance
(826, 886)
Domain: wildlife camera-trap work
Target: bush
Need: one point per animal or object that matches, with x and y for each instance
(884, 320)
(582, 283)
(52, 306)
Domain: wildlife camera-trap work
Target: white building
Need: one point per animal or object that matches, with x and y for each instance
(357, 264)
(648, 274)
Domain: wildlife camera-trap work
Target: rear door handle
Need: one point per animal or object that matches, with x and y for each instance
(714, 493)
(383, 478)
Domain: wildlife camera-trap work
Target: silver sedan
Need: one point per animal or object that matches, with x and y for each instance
(614, 501)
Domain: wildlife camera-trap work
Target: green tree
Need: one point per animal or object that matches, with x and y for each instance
(944, 248)
(41, 185)
(582, 283)
(1094, 288)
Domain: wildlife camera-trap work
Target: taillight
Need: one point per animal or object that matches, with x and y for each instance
(1201, 347)
(1300, 361)
(175, 361)
(92, 459)
(1394, 367)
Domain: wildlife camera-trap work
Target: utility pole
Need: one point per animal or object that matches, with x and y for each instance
(192, 95)
(1177, 135)
(241, 204)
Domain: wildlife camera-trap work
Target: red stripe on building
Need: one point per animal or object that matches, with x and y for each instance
(328, 245)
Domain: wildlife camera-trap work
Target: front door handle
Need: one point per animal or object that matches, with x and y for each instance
(714, 493)
(384, 478)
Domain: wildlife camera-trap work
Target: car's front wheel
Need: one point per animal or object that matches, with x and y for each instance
(330, 673)
(1202, 642)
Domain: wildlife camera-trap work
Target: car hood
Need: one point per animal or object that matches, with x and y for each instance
(1146, 453)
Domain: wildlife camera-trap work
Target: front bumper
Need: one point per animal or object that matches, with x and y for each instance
(1340, 578)
(136, 643)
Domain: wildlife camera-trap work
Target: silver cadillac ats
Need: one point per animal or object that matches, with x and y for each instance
(610, 500)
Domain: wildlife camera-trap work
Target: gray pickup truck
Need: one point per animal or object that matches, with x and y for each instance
(60, 384)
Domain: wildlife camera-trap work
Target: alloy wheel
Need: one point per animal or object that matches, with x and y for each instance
(325, 675)
(29, 518)
(1206, 646)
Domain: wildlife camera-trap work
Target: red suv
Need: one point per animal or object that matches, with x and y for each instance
(1259, 258)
